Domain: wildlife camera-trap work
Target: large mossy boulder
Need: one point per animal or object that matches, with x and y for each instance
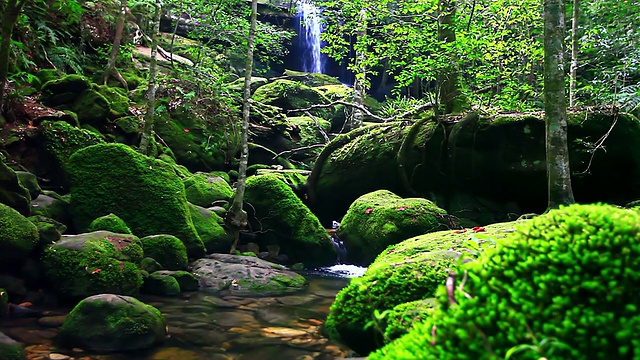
(292, 95)
(381, 218)
(109, 323)
(12, 192)
(280, 218)
(244, 275)
(402, 279)
(144, 192)
(497, 161)
(167, 250)
(63, 91)
(564, 278)
(203, 189)
(93, 263)
(18, 235)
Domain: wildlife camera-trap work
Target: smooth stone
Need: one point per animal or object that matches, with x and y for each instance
(282, 332)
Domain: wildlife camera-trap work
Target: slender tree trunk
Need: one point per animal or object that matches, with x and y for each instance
(558, 172)
(236, 218)
(574, 53)
(111, 66)
(447, 76)
(151, 91)
(359, 84)
(9, 13)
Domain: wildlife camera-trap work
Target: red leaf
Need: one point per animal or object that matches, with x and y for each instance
(460, 231)
(401, 208)
(186, 130)
(390, 251)
(368, 211)
(96, 271)
(478, 229)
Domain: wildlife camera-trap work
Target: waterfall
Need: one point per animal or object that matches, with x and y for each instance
(309, 30)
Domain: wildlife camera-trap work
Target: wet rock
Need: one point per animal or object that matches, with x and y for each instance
(219, 272)
(10, 349)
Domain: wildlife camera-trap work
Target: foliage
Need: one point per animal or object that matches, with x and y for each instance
(558, 285)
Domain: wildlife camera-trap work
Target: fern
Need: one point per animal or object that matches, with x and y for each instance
(66, 59)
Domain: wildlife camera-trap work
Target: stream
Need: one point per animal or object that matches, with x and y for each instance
(218, 326)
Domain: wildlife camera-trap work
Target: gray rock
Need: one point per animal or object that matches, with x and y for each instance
(10, 349)
(219, 272)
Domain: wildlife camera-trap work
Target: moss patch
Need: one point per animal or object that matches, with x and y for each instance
(110, 222)
(203, 190)
(167, 250)
(18, 236)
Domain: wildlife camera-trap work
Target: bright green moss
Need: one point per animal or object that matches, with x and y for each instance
(289, 95)
(110, 222)
(117, 98)
(567, 275)
(292, 225)
(204, 190)
(18, 235)
(352, 313)
(167, 250)
(381, 218)
(144, 192)
(94, 263)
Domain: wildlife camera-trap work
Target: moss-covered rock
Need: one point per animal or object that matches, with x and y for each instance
(92, 108)
(64, 90)
(167, 250)
(10, 349)
(46, 75)
(284, 220)
(110, 322)
(296, 179)
(381, 218)
(203, 190)
(109, 222)
(351, 317)
(61, 140)
(209, 226)
(18, 236)
(144, 192)
(170, 283)
(93, 263)
(290, 95)
(161, 284)
(150, 265)
(12, 192)
(30, 182)
(563, 277)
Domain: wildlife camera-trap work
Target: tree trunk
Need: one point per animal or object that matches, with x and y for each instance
(111, 66)
(359, 84)
(558, 172)
(151, 91)
(447, 76)
(574, 53)
(236, 217)
(9, 13)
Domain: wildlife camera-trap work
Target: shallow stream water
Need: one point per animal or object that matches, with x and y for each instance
(217, 326)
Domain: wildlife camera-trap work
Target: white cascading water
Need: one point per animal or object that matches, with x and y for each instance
(309, 30)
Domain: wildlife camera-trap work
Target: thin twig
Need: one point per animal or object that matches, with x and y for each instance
(293, 151)
(364, 109)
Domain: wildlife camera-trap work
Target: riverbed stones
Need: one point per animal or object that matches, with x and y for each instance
(109, 322)
(218, 272)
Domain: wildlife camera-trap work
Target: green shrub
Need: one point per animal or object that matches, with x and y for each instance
(565, 282)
